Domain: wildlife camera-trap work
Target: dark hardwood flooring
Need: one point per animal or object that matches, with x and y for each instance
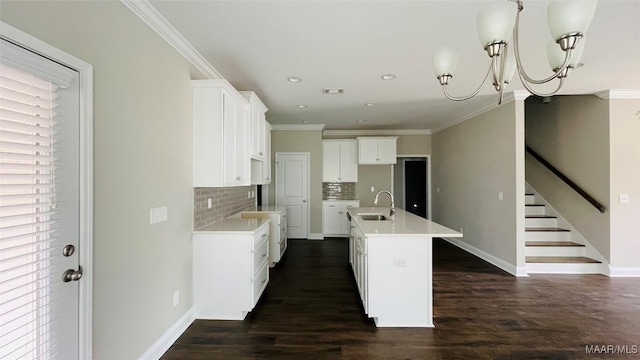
(311, 310)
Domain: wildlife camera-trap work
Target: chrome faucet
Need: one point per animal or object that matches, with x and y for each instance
(393, 207)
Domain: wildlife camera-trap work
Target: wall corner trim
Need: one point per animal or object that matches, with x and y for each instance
(619, 94)
(510, 268)
(624, 271)
(147, 13)
(167, 339)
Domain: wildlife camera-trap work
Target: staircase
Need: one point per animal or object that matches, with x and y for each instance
(552, 249)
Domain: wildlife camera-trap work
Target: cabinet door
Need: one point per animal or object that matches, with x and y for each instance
(331, 219)
(349, 161)
(368, 151)
(266, 170)
(229, 140)
(241, 151)
(387, 151)
(330, 161)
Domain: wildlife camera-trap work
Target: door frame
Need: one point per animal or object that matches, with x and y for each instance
(308, 156)
(428, 167)
(85, 253)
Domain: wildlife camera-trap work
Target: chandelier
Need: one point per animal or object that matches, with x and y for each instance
(568, 22)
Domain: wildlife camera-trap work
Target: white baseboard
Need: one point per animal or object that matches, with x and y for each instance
(167, 339)
(315, 236)
(624, 271)
(510, 268)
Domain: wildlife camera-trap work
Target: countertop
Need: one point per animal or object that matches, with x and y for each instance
(234, 225)
(405, 224)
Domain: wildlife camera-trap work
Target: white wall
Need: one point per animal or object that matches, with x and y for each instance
(472, 162)
(142, 159)
(624, 128)
(572, 133)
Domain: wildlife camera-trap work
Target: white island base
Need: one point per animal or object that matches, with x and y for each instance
(392, 264)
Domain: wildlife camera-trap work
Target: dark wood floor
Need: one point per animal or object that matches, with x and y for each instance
(310, 310)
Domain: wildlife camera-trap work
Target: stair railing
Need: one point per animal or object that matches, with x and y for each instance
(568, 181)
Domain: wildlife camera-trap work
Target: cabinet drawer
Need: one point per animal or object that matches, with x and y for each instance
(261, 236)
(260, 254)
(260, 282)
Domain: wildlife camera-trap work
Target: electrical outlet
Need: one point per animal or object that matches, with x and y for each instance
(399, 262)
(500, 195)
(253, 194)
(437, 190)
(623, 198)
(176, 298)
(461, 229)
(209, 203)
(158, 214)
(248, 194)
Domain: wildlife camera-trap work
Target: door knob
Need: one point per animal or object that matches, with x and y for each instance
(68, 250)
(304, 200)
(72, 275)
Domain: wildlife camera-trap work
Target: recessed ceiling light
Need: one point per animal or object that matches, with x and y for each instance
(333, 91)
(302, 106)
(388, 77)
(294, 79)
(361, 121)
(306, 121)
(369, 104)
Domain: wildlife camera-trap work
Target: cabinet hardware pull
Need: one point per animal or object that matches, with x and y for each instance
(263, 281)
(263, 256)
(264, 235)
(238, 178)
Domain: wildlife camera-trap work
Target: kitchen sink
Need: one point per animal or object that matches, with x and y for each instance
(373, 217)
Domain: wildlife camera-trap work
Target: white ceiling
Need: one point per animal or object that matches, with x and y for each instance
(256, 45)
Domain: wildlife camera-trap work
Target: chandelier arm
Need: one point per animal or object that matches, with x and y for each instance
(495, 73)
(528, 87)
(523, 75)
(444, 88)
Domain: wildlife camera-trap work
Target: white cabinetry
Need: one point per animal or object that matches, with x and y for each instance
(360, 266)
(377, 150)
(257, 111)
(261, 169)
(277, 230)
(334, 217)
(220, 136)
(339, 161)
(230, 271)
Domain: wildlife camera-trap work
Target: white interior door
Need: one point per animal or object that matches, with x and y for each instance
(292, 191)
(39, 207)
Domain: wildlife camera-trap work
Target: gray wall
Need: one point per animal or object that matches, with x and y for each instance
(471, 163)
(624, 129)
(142, 159)
(572, 133)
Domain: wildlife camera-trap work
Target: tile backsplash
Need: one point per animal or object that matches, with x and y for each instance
(338, 191)
(225, 202)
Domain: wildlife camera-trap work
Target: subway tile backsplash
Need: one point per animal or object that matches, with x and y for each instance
(338, 191)
(225, 202)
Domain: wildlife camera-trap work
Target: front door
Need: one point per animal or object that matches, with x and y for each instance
(292, 191)
(39, 207)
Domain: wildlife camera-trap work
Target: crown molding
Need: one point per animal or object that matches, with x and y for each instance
(517, 95)
(616, 94)
(376, 132)
(145, 11)
(278, 127)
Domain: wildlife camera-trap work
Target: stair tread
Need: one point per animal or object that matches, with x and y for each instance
(553, 243)
(534, 205)
(540, 217)
(561, 260)
(546, 229)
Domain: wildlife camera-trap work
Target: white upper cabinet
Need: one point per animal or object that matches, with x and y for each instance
(339, 161)
(266, 165)
(220, 135)
(257, 120)
(377, 150)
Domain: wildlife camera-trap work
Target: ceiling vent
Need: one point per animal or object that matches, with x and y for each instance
(333, 91)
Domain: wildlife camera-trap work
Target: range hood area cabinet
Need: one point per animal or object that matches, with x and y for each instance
(339, 161)
(373, 150)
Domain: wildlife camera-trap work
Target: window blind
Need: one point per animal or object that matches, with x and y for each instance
(28, 236)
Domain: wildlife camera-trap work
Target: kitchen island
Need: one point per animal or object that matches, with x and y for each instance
(392, 263)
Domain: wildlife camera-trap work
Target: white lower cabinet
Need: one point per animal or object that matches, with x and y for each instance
(230, 272)
(360, 267)
(334, 217)
(277, 230)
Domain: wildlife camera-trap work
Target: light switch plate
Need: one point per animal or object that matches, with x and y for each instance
(624, 198)
(209, 203)
(500, 195)
(158, 214)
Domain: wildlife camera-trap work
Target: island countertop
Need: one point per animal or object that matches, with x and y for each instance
(404, 224)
